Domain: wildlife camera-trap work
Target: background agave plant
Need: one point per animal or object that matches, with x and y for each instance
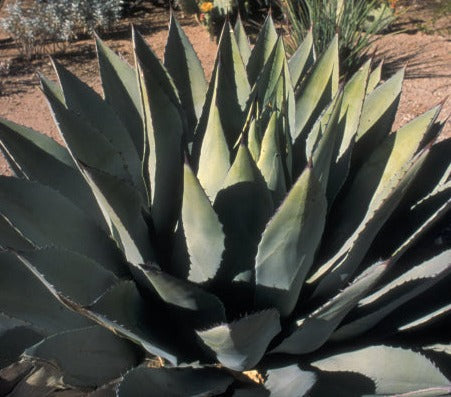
(189, 233)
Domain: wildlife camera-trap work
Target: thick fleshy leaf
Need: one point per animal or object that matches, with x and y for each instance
(374, 194)
(233, 87)
(15, 337)
(288, 244)
(349, 119)
(302, 60)
(244, 206)
(123, 206)
(393, 370)
(42, 159)
(314, 330)
(78, 278)
(123, 310)
(203, 230)
(319, 89)
(214, 159)
(90, 147)
(289, 381)
(283, 102)
(240, 345)
(242, 40)
(270, 160)
(426, 319)
(182, 63)
(89, 106)
(32, 302)
(270, 75)
(374, 78)
(16, 138)
(381, 303)
(262, 50)
(424, 227)
(88, 356)
(378, 115)
(439, 348)
(174, 382)
(322, 155)
(254, 139)
(11, 237)
(44, 221)
(426, 202)
(120, 87)
(165, 128)
(343, 264)
(204, 309)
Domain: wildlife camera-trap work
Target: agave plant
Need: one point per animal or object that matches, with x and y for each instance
(265, 234)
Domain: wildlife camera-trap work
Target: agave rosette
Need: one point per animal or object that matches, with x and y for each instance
(267, 221)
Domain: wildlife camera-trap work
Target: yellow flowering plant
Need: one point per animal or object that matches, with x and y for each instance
(210, 16)
(206, 6)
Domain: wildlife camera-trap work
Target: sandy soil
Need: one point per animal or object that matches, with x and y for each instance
(428, 60)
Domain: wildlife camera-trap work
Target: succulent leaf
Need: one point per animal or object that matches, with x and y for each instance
(261, 52)
(244, 206)
(184, 66)
(165, 125)
(92, 147)
(44, 220)
(394, 294)
(289, 381)
(322, 154)
(123, 310)
(302, 60)
(174, 382)
(87, 356)
(202, 229)
(33, 303)
(204, 308)
(40, 158)
(214, 159)
(349, 119)
(267, 80)
(254, 139)
(78, 278)
(374, 78)
(270, 160)
(240, 345)
(319, 89)
(393, 370)
(11, 237)
(375, 192)
(123, 207)
(242, 40)
(87, 104)
(313, 331)
(424, 204)
(120, 87)
(426, 319)
(233, 87)
(288, 244)
(15, 337)
(377, 116)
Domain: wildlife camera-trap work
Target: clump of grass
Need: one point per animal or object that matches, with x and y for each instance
(355, 21)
